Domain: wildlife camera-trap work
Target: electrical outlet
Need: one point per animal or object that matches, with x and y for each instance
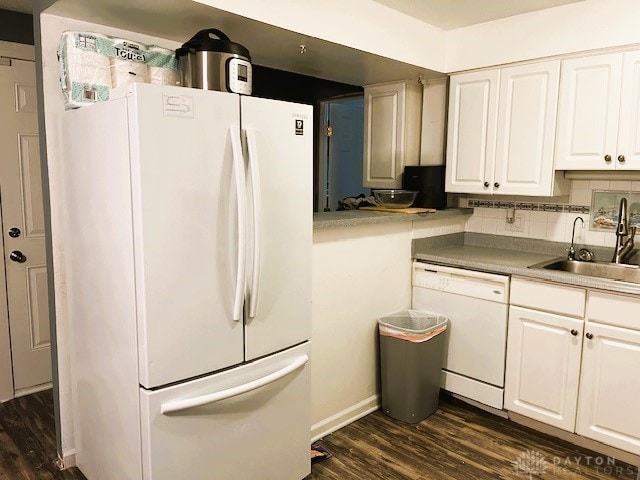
(517, 225)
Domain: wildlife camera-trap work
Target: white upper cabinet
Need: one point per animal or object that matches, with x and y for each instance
(598, 113)
(392, 118)
(473, 115)
(527, 110)
(502, 131)
(629, 126)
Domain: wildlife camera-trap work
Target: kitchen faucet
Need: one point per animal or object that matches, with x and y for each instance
(622, 250)
(571, 252)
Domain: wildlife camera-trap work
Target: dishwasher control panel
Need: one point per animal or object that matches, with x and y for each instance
(487, 286)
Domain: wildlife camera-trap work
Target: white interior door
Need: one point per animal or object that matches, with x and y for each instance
(279, 139)
(185, 221)
(23, 227)
(345, 150)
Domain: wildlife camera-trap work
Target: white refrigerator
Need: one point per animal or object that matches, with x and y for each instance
(188, 256)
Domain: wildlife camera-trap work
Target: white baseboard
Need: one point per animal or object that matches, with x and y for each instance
(344, 417)
(67, 460)
(29, 390)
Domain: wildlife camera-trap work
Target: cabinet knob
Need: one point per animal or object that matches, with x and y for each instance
(589, 336)
(621, 158)
(574, 332)
(607, 158)
(497, 185)
(486, 184)
(14, 232)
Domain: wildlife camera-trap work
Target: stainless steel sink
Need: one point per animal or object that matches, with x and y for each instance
(611, 271)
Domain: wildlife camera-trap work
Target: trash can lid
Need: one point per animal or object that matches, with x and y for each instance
(413, 322)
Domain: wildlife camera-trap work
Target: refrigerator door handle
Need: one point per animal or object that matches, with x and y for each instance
(178, 405)
(238, 168)
(252, 149)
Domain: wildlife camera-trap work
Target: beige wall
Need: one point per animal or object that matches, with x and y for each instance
(360, 273)
(360, 24)
(575, 27)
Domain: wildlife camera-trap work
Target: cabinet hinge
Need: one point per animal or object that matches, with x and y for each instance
(328, 131)
(5, 62)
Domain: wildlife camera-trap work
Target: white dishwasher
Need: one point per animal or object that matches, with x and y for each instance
(476, 305)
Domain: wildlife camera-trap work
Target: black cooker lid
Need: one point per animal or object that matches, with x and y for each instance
(212, 40)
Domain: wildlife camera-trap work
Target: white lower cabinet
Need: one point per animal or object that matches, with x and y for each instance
(609, 400)
(580, 375)
(543, 366)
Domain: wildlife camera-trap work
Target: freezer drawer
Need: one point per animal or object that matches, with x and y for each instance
(263, 433)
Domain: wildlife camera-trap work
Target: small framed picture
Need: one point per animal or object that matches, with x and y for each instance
(605, 206)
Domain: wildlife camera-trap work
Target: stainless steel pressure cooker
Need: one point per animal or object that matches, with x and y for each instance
(213, 62)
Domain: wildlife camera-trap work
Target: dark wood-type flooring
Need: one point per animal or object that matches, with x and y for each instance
(458, 442)
(28, 440)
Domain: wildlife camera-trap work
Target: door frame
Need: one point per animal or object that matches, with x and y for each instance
(323, 144)
(19, 52)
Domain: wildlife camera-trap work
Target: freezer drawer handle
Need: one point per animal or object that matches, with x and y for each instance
(187, 403)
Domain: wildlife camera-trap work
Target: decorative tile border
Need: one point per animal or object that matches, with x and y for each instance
(543, 207)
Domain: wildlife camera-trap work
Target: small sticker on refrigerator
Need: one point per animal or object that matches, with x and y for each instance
(177, 106)
(299, 127)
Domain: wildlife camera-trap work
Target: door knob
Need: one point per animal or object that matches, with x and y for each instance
(486, 184)
(589, 336)
(574, 332)
(621, 158)
(607, 158)
(17, 256)
(14, 232)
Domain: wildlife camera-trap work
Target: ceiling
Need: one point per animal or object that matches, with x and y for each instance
(178, 19)
(450, 14)
(444, 14)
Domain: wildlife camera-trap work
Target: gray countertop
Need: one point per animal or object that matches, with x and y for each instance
(479, 252)
(349, 218)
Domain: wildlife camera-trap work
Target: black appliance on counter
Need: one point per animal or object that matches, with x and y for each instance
(428, 180)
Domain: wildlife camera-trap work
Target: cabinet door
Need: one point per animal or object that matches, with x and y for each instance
(628, 154)
(383, 134)
(543, 366)
(609, 404)
(526, 129)
(473, 108)
(588, 112)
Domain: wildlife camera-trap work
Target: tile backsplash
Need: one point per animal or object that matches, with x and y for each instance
(544, 217)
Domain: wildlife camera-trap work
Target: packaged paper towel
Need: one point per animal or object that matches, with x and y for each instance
(128, 64)
(163, 66)
(85, 67)
(95, 67)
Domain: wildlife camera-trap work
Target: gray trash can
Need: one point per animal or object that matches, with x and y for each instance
(411, 356)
